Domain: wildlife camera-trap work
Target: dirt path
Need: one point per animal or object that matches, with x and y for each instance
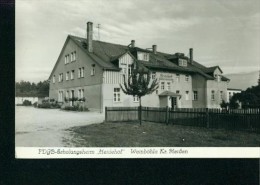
(46, 127)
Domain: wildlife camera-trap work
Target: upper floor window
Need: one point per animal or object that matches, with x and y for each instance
(93, 70)
(178, 77)
(67, 75)
(153, 75)
(72, 75)
(61, 77)
(218, 78)
(177, 92)
(182, 62)
(81, 72)
(186, 78)
(53, 79)
(195, 95)
(116, 94)
(66, 59)
(162, 85)
(168, 86)
(212, 95)
(143, 56)
(146, 56)
(73, 56)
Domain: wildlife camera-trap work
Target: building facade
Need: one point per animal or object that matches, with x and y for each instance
(88, 73)
(231, 92)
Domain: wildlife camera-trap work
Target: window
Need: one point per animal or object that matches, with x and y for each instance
(187, 95)
(146, 56)
(67, 94)
(213, 95)
(221, 95)
(168, 86)
(195, 95)
(178, 77)
(66, 59)
(162, 85)
(81, 72)
(61, 77)
(72, 75)
(182, 62)
(129, 69)
(53, 79)
(80, 93)
(217, 77)
(186, 78)
(135, 98)
(116, 94)
(67, 75)
(60, 97)
(153, 75)
(93, 70)
(177, 92)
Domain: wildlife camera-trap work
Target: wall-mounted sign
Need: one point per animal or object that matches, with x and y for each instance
(166, 77)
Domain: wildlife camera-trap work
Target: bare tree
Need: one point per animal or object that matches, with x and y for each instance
(139, 83)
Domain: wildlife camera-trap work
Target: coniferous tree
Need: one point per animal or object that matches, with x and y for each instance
(139, 83)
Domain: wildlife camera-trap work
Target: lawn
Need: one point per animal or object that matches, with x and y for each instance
(156, 135)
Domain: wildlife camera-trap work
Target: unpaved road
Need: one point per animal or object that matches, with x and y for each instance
(46, 127)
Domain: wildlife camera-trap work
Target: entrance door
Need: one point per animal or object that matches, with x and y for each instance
(174, 102)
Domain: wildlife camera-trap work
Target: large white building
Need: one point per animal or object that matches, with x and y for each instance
(91, 72)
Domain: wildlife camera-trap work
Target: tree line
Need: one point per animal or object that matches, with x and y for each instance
(28, 89)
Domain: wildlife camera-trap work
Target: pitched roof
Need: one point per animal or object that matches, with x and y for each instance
(104, 53)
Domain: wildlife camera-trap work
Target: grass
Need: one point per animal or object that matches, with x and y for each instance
(151, 134)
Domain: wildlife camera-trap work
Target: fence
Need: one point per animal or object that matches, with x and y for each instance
(238, 119)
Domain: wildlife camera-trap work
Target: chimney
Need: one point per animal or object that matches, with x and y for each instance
(89, 36)
(191, 55)
(132, 43)
(154, 49)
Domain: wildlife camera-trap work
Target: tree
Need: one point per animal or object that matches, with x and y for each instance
(139, 84)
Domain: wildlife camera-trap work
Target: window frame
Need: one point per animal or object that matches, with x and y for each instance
(195, 95)
(212, 95)
(162, 85)
(117, 94)
(187, 95)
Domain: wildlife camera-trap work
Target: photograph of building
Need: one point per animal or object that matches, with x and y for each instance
(91, 71)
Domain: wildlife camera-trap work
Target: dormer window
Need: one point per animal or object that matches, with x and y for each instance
(143, 56)
(217, 77)
(182, 62)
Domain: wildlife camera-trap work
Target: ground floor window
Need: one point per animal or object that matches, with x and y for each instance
(221, 95)
(60, 96)
(135, 98)
(117, 95)
(212, 95)
(195, 95)
(187, 95)
(80, 93)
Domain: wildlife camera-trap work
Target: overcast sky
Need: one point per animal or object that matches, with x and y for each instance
(221, 32)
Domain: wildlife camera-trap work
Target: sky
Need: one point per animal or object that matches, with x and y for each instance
(221, 32)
